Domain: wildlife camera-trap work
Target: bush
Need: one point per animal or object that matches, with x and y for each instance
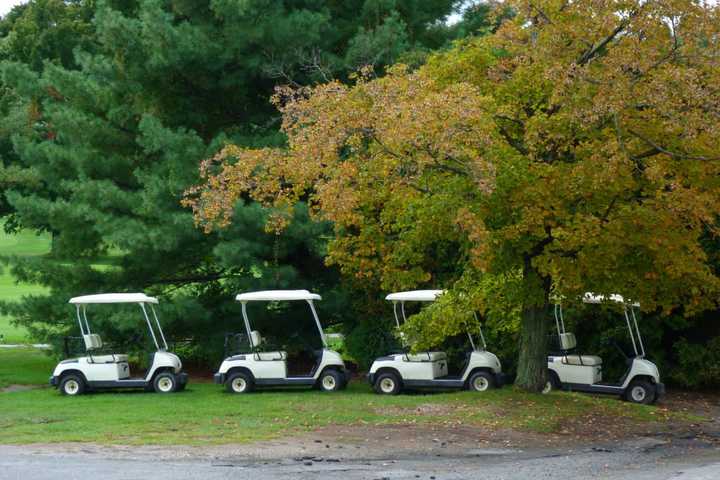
(698, 366)
(369, 339)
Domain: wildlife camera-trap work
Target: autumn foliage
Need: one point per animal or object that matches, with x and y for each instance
(574, 149)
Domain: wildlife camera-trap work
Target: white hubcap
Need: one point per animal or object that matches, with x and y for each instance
(328, 382)
(638, 394)
(71, 387)
(165, 384)
(239, 385)
(387, 385)
(481, 384)
(548, 387)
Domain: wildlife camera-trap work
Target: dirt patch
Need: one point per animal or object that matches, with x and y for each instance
(18, 388)
(434, 409)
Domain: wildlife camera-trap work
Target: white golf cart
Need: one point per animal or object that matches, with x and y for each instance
(570, 370)
(100, 370)
(243, 372)
(391, 373)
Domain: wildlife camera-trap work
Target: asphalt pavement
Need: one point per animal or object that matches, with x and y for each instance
(638, 459)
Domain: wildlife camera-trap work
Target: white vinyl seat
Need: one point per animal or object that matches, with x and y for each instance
(109, 358)
(257, 340)
(568, 341)
(269, 356)
(92, 341)
(426, 356)
(587, 360)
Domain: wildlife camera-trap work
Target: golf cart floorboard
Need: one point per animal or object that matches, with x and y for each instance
(445, 382)
(128, 383)
(595, 388)
(284, 382)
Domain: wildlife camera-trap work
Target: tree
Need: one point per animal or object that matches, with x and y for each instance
(574, 149)
(34, 33)
(118, 131)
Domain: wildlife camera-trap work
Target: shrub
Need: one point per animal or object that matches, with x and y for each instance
(698, 366)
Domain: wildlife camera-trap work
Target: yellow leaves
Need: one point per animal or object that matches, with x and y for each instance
(580, 134)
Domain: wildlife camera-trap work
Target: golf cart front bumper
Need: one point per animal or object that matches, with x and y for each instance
(219, 378)
(371, 378)
(54, 381)
(182, 378)
(501, 379)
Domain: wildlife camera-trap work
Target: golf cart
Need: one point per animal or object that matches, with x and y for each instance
(391, 373)
(102, 370)
(570, 370)
(241, 373)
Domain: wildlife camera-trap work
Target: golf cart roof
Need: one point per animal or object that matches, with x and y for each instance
(415, 296)
(590, 297)
(113, 298)
(277, 296)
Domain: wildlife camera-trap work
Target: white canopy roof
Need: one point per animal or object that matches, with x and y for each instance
(415, 296)
(590, 297)
(113, 298)
(277, 296)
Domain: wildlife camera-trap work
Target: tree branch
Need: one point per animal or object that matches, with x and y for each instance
(661, 149)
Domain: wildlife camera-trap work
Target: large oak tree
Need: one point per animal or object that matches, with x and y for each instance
(574, 149)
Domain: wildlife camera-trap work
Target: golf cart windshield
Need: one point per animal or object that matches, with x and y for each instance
(279, 296)
(424, 296)
(141, 299)
(629, 311)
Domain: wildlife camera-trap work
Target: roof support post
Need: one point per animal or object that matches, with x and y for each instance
(147, 319)
(247, 325)
(317, 322)
(157, 322)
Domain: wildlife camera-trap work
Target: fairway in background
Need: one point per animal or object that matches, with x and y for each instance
(25, 243)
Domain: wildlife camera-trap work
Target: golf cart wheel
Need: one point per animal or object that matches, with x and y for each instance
(239, 382)
(552, 383)
(387, 384)
(481, 382)
(165, 382)
(640, 391)
(331, 381)
(72, 385)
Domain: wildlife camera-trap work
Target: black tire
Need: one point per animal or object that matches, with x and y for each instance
(165, 382)
(641, 391)
(239, 382)
(331, 381)
(553, 382)
(72, 385)
(387, 383)
(481, 381)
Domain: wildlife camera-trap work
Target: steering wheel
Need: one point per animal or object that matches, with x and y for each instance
(619, 348)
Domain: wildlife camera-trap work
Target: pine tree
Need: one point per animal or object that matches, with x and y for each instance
(117, 133)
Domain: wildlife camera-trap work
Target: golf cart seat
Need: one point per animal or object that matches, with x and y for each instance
(278, 355)
(569, 342)
(587, 360)
(426, 356)
(257, 340)
(94, 342)
(109, 358)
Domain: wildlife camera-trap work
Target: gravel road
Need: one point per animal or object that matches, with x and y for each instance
(639, 459)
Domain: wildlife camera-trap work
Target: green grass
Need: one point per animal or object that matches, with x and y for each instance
(24, 366)
(24, 243)
(205, 414)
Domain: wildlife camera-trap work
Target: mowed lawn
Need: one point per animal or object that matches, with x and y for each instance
(25, 243)
(205, 414)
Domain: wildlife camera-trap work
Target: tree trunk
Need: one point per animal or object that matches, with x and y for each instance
(532, 362)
